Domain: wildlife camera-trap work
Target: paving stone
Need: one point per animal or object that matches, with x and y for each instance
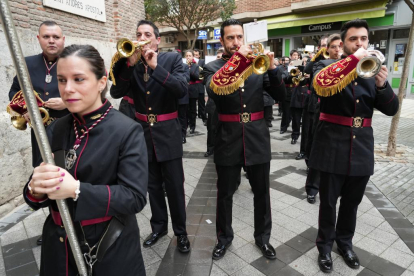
(367, 272)
(287, 271)
(300, 244)
(383, 237)
(231, 263)
(248, 252)
(305, 265)
(384, 267)
(371, 246)
(216, 271)
(287, 254)
(397, 257)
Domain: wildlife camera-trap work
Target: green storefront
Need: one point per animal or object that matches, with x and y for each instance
(388, 31)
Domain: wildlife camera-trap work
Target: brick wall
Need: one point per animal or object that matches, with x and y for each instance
(15, 150)
(262, 5)
(121, 19)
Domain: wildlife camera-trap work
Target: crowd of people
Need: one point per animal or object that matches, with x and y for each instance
(108, 160)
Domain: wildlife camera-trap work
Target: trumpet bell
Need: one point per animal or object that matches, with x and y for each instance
(370, 66)
(19, 122)
(125, 47)
(261, 64)
(294, 72)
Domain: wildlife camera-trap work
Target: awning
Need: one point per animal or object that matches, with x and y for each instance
(366, 10)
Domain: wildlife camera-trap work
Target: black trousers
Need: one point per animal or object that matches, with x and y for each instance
(351, 189)
(312, 182)
(202, 106)
(268, 113)
(182, 117)
(297, 114)
(227, 178)
(212, 122)
(172, 175)
(286, 116)
(192, 113)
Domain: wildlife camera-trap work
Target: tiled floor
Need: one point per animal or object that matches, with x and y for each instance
(384, 238)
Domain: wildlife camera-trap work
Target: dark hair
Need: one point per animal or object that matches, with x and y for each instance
(356, 23)
(189, 51)
(147, 22)
(229, 22)
(285, 57)
(90, 54)
(320, 40)
(196, 50)
(332, 38)
(48, 23)
(220, 50)
(293, 51)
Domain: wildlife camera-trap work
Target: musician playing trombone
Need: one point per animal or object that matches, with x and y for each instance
(343, 146)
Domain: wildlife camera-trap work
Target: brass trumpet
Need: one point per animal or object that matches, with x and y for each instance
(298, 79)
(126, 47)
(294, 72)
(261, 61)
(200, 73)
(370, 66)
(19, 122)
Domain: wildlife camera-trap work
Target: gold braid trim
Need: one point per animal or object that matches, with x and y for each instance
(334, 89)
(229, 89)
(114, 60)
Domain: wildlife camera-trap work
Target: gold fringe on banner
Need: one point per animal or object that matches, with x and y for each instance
(339, 85)
(234, 85)
(114, 60)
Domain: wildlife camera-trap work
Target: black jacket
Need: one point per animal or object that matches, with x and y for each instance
(38, 71)
(243, 143)
(195, 88)
(112, 168)
(300, 94)
(348, 150)
(159, 95)
(287, 79)
(185, 99)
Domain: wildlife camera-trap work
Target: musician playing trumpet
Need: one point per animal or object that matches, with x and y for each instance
(195, 87)
(242, 134)
(343, 146)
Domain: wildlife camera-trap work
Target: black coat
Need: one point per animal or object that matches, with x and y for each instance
(287, 79)
(300, 95)
(334, 149)
(195, 88)
(112, 167)
(185, 99)
(239, 143)
(38, 71)
(159, 95)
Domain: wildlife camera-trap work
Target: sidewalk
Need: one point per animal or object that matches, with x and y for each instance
(384, 238)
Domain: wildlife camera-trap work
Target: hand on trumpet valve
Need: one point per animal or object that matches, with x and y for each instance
(246, 51)
(381, 77)
(133, 59)
(361, 53)
(150, 57)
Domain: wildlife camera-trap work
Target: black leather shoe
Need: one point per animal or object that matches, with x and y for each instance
(325, 262)
(350, 258)
(208, 153)
(282, 131)
(192, 130)
(300, 156)
(267, 250)
(184, 140)
(205, 122)
(279, 114)
(153, 238)
(310, 199)
(183, 244)
(39, 241)
(269, 124)
(220, 250)
(293, 141)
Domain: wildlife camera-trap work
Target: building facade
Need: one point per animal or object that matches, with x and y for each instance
(117, 19)
(295, 24)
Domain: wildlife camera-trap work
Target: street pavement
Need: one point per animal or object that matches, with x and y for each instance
(384, 237)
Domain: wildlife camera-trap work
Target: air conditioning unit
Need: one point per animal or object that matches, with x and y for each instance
(169, 39)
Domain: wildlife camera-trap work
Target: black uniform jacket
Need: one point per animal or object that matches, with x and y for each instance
(159, 95)
(38, 71)
(300, 95)
(348, 150)
(195, 88)
(185, 99)
(243, 143)
(287, 79)
(112, 169)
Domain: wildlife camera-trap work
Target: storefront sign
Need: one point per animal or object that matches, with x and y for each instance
(320, 28)
(383, 44)
(216, 33)
(94, 9)
(202, 34)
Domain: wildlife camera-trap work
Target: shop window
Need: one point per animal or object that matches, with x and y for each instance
(402, 33)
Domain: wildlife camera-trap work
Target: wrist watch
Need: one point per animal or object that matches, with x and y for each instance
(384, 86)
